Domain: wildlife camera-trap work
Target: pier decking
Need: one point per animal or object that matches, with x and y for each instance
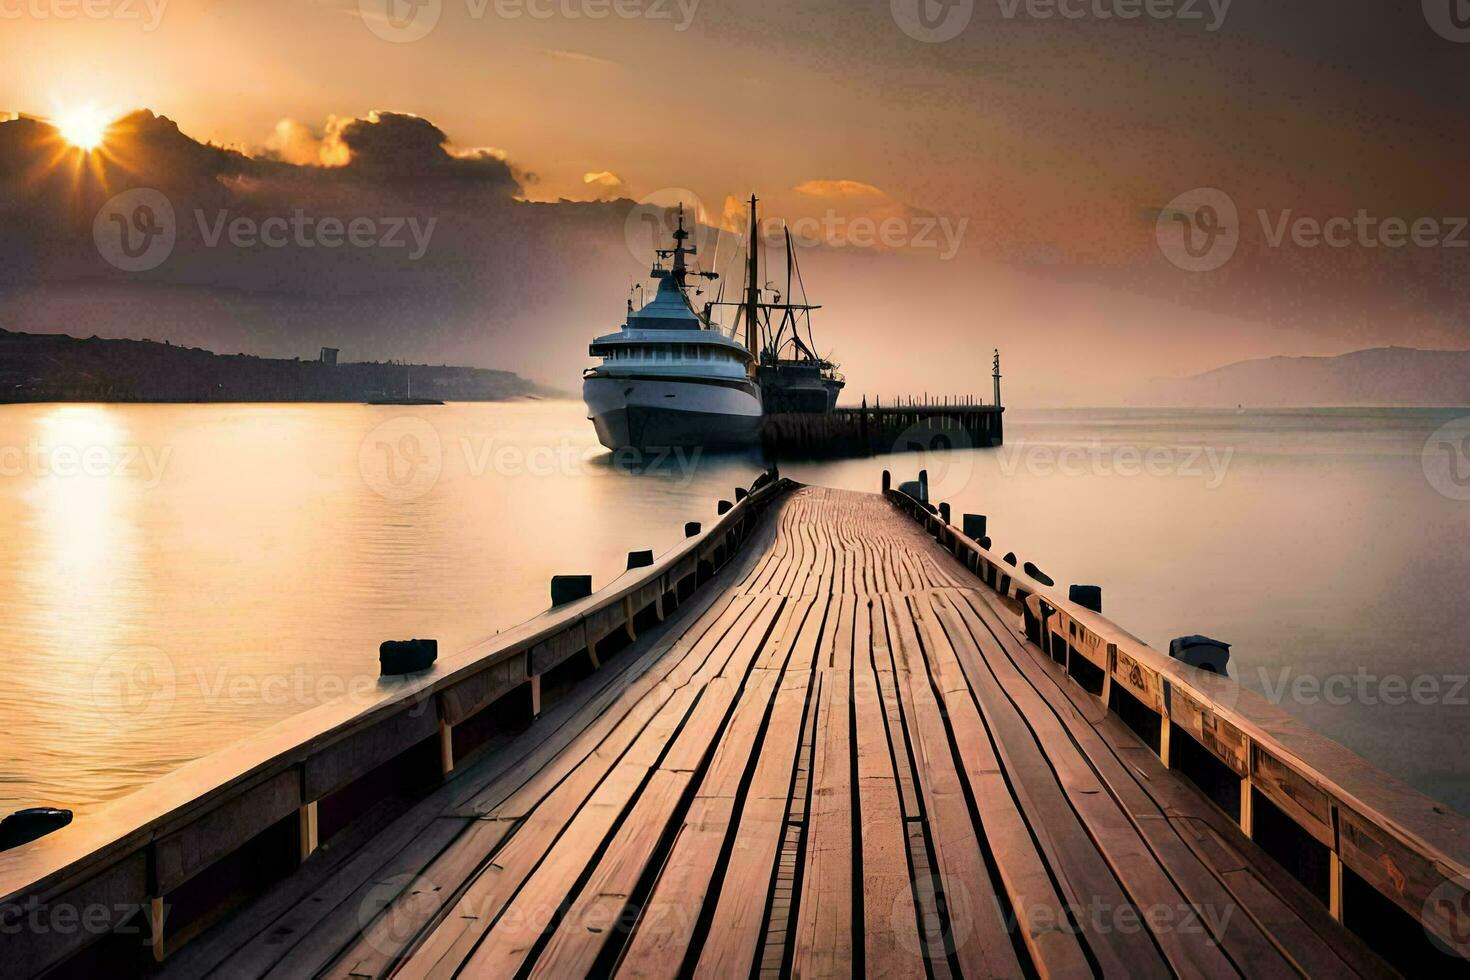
(841, 755)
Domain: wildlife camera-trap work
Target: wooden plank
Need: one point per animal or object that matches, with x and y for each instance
(1137, 776)
(735, 927)
(890, 926)
(666, 921)
(986, 949)
(824, 926)
(1040, 911)
(585, 799)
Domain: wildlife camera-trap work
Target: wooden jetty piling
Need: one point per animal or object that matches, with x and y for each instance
(859, 743)
(877, 429)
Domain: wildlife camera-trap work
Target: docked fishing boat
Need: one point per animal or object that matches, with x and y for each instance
(794, 378)
(671, 377)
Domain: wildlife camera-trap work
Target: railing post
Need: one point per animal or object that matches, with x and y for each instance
(308, 827)
(1247, 800)
(446, 749)
(1334, 885)
(155, 925)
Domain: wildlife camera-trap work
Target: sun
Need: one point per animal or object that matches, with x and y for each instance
(84, 127)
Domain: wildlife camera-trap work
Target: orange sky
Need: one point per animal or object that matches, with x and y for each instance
(1052, 142)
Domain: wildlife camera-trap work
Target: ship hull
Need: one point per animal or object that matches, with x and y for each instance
(657, 413)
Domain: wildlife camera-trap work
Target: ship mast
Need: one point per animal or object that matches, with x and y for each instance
(752, 287)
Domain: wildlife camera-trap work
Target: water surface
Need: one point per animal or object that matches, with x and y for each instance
(177, 577)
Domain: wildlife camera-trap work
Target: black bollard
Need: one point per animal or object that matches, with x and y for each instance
(924, 486)
(1202, 652)
(1037, 574)
(569, 588)
(975, 526)
(724, 507)
(741, 494)
(639, 559)
(887, 481)
(399, 657)
(1010, 559)
(944, 512)
(24, 826)
(1087, 596)
(692, 529)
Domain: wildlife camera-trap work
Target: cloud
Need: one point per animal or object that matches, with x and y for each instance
(604, 183)
(576, 56)
(840, 190)
(478, 291)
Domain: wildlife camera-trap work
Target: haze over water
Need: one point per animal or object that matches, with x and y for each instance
(183, 576)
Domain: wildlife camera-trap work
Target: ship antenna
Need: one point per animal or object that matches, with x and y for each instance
(752, 287)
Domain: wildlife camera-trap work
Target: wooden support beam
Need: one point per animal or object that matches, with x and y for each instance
(592, 649)
(1247, 805)
(446, 750)
(536, 696)
(155, 925)
(1334, 885)
(628, 619)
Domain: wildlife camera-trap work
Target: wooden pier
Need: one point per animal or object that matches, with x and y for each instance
(870, 430)
(830, 735)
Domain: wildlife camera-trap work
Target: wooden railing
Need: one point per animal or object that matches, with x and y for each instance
(120, 865)
(1369, 846)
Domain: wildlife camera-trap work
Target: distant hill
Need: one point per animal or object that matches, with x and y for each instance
(54, 367)
(1382, 376)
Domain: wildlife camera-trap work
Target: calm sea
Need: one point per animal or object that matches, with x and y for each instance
(176, 577)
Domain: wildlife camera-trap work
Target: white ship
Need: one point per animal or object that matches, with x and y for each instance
(670, 377)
